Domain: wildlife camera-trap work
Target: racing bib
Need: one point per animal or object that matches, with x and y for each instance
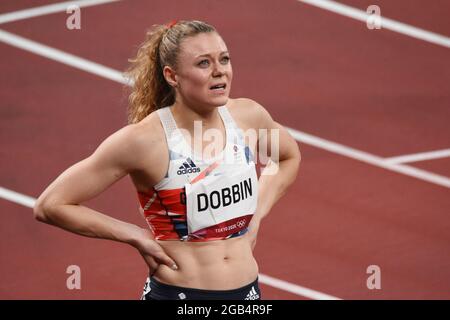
(220, 201)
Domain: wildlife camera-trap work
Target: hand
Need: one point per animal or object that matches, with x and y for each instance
(252, 232)
(153, 253)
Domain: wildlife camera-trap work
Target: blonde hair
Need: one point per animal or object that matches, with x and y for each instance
(149, 89)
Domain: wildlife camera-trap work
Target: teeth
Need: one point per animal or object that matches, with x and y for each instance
(222, 86)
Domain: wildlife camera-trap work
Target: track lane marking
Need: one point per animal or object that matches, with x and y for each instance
(293, 288)
(48, 9)
(369, 158)
(17, 197)
(386, 23)
(61, 56)
(422, 156)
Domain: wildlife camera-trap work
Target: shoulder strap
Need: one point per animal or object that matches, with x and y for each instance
(167, 121)
(226, 116)
(236, 132)
(230, 124)
(174, 137)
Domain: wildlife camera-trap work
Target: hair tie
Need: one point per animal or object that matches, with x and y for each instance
(171, 23)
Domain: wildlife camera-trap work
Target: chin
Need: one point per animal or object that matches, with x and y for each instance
(220, 101)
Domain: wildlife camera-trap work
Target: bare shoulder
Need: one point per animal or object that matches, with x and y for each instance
(147, 139)
(246, 106)
(149, 131)
(249, 113)
(134, 145)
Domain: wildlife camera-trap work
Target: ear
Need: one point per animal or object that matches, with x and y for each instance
(170, 76)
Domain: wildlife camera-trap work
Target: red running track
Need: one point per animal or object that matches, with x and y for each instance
(376, 91)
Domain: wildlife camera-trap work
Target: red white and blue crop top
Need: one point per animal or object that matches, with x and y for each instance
(202, 199)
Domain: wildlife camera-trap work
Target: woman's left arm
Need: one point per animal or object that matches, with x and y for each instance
(279, 172)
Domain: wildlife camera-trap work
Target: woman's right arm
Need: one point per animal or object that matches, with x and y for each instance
(60, 203)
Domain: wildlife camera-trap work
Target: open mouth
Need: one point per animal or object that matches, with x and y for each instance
(219, 87)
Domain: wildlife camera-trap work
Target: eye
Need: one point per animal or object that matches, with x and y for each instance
(226, 59)
(203, 63)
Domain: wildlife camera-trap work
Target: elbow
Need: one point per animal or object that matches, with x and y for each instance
(43, 210)
(39, 212)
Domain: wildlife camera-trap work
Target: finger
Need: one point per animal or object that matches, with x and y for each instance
(161, 256)
(165, 259)
(151, 262)
(152, 270)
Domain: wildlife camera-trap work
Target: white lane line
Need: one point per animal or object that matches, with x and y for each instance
(293, 288)
(386, 23)
(61, 56)
(369, 158)
(17, 197)
(29, 202)
(48, 9)
(317, 142)
(430, 155)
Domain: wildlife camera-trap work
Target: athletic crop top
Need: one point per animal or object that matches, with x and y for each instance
(202, 199)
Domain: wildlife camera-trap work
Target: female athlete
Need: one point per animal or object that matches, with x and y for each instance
(191, 153)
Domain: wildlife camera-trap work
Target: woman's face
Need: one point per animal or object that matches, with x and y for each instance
(204, 62)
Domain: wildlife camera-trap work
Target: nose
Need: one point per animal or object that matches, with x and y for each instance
(218, 70)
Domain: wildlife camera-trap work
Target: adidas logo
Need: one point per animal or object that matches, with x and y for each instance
(252, 295)
(188, 166)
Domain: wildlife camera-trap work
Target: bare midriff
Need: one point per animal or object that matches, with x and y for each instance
(210, 265)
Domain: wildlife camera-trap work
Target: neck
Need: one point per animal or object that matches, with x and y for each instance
(186, 115)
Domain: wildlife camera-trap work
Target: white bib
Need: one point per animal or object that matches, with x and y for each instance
(217, 199)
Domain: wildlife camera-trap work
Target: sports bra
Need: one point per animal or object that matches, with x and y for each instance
(202, 199)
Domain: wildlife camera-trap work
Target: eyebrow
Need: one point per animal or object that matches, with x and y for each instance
(208, 55)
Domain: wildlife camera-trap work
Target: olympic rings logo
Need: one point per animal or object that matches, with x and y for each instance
(240, 223)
